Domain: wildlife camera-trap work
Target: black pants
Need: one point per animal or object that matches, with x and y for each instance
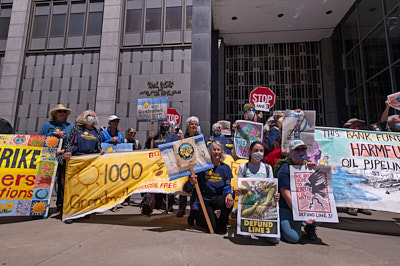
(182, 203)
(60, 186)
(218, 224)
(161, 201)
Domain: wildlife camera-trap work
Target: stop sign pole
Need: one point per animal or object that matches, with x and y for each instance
(262, 98)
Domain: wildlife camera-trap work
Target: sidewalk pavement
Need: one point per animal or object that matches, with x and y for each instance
(128, 238)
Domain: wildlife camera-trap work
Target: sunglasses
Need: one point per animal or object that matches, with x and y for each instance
(250, 111)
(132, 133)
(62, 111)
(300, 150)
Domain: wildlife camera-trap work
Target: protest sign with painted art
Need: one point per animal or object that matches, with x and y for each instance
(298, 125)
(365, 166)
(246, 133)
(312, 194)
(28, 165)
(258, 212)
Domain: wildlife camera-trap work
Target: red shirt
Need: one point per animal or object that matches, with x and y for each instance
(273, 157)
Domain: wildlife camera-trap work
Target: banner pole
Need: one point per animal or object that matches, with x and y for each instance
(152, 127)
(203, 207)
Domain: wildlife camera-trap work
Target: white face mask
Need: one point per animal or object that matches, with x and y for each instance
(90, 119)
(251, 115)
(257, 156)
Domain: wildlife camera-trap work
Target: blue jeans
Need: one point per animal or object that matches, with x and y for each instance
(290, 230)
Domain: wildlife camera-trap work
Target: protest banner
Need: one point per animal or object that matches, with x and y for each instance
(234, 165)
(312, 194)
(298, 125)
(225, 127)
(28, 165)
(95, 183)
(120, 147)
(394, 100)
(178, 156)
(246, 133)
(365, 166)
(150, 109)
(258, 212)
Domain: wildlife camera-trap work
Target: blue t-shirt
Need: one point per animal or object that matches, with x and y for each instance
(215, 182)
(106, 136)
(49, 127)
(87, 141)
(283, 176)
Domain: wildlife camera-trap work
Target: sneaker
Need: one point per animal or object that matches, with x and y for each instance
(352, 211)
(310, 231)
(70, 221)
(365, 211)
(190, 220)
(180, 213)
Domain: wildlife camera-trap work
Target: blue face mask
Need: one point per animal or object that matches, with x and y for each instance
(377, 129)
(301, 156)
(217, 134)
(397, 126)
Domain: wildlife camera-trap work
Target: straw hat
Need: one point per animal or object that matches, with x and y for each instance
(353, 121)
(53, 111)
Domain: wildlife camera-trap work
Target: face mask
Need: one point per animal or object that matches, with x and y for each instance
(397, 126)
(165, 128)
(258, 156)
(217, 134)
(377, 129)
(301, 156)
(90, 119)
(251, 114)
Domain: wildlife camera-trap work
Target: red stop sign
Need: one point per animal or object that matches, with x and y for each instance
(262, 95)
(173, 116)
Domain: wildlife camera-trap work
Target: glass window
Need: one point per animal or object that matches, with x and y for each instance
(76, 24)
(357, 104)
(376, 91)
(374, 52)
(133, 20)
(4, 25)
(173, 21)
(390, 4)
(58, 25)
(153, 19)
(370, 13)
(393, 26)
(189, 17)
(95, 23)
(350, 31)
(39, 26)
(353, 69)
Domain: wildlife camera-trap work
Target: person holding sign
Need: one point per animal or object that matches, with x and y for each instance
(111, 135)
(215, 186)
(254, 168)
(59, 128)
(290, 229)
(162, 137)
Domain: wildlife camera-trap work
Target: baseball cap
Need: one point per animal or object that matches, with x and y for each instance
(113, 117)
(247, 106)
(295, 144)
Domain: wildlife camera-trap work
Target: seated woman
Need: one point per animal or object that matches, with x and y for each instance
(215, 187)
(254, 168)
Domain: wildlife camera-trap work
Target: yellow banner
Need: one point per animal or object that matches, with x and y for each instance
(234, 165)
(95, 183)
(28, 165)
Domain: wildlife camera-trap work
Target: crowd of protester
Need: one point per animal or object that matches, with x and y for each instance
(266, 159)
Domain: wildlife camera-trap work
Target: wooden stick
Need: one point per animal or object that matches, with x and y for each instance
(203, 206)
(166, 203)
(152, 127)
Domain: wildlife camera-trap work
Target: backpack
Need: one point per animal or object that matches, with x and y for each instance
(281, 162)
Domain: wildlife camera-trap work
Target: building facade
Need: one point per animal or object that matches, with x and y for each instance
(104, 55)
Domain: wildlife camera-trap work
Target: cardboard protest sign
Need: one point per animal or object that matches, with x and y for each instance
(95, 183)
(150, 109)
(28, 165)
(258, 212)
(298, 125)
(312, 194)
(234, 165)
(246, 133)
(120, 147)
(178, 156)
(394, 100)
(225, 127)
(365, 166)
